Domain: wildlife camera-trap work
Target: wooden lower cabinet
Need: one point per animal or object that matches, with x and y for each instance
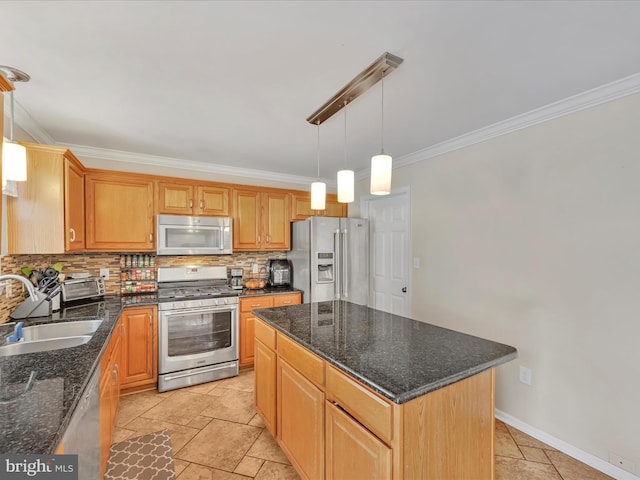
(351, 450)
(331, 426)
(109, 392)
(300, 413)
(247, 320)
(265, 390)
(139, 346)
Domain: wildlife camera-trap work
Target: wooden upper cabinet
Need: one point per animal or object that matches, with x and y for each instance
(193, 199)
(47, 216)
(261, 219)
(301, 207)
(119, 212)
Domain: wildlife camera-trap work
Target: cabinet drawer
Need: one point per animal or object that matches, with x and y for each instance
(248, 304)
(361, 403)
(307, 363)
(265, 334)
(288, 299)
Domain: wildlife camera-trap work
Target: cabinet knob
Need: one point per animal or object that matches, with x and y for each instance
(72, 231)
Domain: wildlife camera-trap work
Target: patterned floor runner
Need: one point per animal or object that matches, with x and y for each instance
(143, 458)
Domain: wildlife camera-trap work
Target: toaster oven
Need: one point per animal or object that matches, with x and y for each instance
(81, 288)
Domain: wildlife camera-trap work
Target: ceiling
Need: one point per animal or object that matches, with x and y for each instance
(229, 84)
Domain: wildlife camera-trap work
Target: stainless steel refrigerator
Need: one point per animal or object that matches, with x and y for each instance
(330, 259)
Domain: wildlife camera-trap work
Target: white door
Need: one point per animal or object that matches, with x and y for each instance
(390, 227)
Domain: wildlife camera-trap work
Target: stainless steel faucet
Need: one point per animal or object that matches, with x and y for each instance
(27, 283)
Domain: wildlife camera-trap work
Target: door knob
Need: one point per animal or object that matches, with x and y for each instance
(404, 289)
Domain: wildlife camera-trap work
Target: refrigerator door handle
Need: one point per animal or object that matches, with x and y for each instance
(344, 266)
(337, 266)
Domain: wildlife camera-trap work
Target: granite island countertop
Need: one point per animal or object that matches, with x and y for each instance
(397, 357)
(35, 421)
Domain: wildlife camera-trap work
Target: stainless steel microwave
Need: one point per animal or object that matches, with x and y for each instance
(184, 235)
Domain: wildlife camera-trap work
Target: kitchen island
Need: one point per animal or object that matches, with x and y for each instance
(353, 392)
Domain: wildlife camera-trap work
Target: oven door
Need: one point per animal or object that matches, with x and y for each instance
(197, 337)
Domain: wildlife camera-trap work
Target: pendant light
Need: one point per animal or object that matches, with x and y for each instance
(318, 188)
(14, 155)
(381, 164)
(345, 177)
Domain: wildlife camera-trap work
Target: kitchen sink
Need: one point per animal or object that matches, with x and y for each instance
(48, 331)
(34, 346)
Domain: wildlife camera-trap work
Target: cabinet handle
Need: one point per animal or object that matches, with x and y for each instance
(286, 302)
(256, 305)
(191, 203)
(258, 238)
(267, 238)
(150, 321)
(73, 235)
(201, 204)
(151, 238)
(122, 329)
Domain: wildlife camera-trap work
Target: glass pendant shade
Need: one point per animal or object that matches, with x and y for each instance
(345, 186)
(14, 161)
(318, 195)
(381, 174)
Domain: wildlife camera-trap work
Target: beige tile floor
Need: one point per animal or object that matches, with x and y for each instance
(216, 435)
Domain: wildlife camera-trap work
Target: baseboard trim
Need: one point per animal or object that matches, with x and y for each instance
(564, 447)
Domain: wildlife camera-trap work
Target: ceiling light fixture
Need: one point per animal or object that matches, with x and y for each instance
(381, 164)
(345, 176)
(318, 188)
(14, 155)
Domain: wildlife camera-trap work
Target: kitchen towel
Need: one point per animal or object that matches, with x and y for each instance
(148, 457)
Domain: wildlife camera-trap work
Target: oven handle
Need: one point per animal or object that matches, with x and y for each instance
(221, 308)
(190, 373)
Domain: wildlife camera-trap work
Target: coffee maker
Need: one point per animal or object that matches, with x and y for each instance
(236, 278)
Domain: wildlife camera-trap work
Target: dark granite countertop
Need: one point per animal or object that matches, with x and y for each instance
(398, 357)
(268, 291)
(36, 421)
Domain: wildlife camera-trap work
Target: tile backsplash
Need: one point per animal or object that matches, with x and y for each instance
(93, 262)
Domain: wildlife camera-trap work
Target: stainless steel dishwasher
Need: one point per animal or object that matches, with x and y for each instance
(83, 433)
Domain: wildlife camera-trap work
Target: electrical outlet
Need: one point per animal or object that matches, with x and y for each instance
(104, 273)
(621, 462)
(525, 375)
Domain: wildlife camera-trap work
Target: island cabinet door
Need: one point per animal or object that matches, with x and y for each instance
(300, 417)
(265, 387)
(352, 451)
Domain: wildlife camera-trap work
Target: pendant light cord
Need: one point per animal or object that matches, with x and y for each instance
(318, 149)
(382, 114)
(345, 134)
(11, 123)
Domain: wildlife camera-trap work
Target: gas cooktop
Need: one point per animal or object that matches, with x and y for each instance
(193, 282)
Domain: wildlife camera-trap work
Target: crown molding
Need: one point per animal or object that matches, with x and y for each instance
(590, 98)
(169, 162)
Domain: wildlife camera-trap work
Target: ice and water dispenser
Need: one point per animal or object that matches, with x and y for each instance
(325, 267)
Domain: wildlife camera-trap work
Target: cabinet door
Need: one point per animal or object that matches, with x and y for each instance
(105, 419)
(246, 220)
(352, 451)
(73, 206)
(276, 221)
(120, 214)
(300, 421)
(247, 326)
(334, 208)
(247, 334)
(175, 198)
(265, 385)
(301, 206)
(213, 201)
(139, 350)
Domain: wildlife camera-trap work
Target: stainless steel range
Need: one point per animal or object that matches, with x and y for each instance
(197, 326)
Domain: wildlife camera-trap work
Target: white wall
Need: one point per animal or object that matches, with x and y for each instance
(533, 239)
